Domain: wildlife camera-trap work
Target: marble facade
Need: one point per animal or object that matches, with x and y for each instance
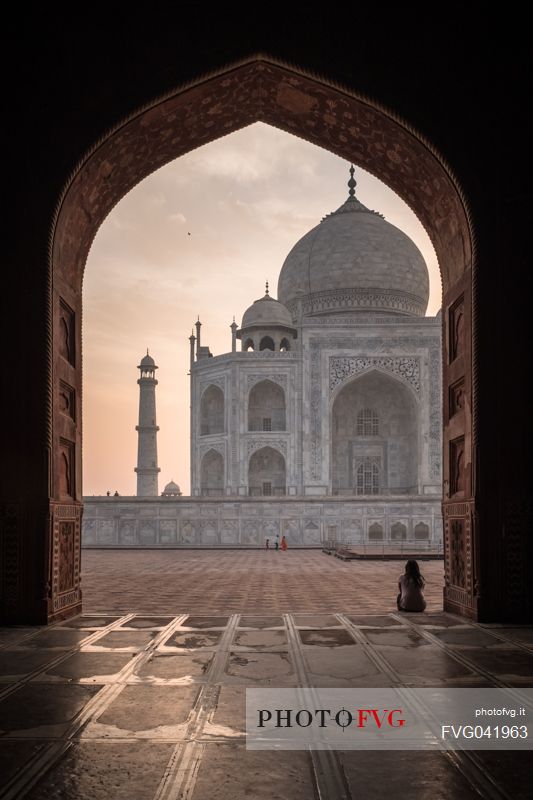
(137, 522)
(332, 354)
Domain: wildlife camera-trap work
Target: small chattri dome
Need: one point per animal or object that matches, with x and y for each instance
(171, 490)
(147, 362)
(266, 313)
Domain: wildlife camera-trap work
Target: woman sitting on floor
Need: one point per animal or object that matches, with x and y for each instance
(410, 585)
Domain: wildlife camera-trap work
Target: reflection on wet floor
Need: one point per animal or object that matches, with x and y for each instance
(108, 706)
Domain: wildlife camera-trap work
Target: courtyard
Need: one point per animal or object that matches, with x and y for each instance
(143, 696)
(245, 581)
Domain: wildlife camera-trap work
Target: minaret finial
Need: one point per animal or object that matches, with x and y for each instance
(266, 288)
(352, 183)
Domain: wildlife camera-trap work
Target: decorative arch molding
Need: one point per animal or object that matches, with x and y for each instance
(261, 88)
(217, 447)
(256, 377)
(343, 369)
(257, 444)
(220, 383)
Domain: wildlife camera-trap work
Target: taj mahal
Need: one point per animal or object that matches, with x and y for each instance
(323, 420)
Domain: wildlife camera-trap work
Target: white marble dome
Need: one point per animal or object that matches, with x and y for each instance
(266, 313)
(353, 261)
(171, 490)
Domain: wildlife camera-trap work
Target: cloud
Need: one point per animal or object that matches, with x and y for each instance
(156, 199)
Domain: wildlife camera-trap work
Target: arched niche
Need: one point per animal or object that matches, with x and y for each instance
(267, 343)
(212, 474)
(421, 531)
(375, 532)
(266, 407)
(398, 531)
(212, 411)
(266, 473)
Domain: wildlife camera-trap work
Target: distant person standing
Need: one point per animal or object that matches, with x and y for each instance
(410, 585)
(276, 543)
(284, 544)
(267, 544)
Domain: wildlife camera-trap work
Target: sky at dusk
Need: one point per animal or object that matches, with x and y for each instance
(199, 237)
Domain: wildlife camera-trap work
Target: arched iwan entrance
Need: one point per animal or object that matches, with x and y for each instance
(375, 438)
(352, 127)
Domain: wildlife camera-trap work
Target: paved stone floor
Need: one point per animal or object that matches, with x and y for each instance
(246, 581)
(143, 705)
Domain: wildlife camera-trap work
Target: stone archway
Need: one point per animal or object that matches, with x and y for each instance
(266, 407)
(212, 411)
(370, 414)
(267, 474)
(212, 474)
(348, 125)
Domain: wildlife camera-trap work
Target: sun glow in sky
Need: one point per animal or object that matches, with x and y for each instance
(199, 237)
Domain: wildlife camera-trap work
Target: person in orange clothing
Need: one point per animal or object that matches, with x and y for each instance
(284, 544)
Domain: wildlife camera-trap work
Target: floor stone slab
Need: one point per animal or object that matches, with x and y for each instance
(37, 708)
(260, 775)
(147, 707)
(110, 771)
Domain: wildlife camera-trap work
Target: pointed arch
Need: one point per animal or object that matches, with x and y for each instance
(267, 343)
(212, 473)
(351, 126)
(212, 411)
(375, 424)
(266, 473)
(267, 407)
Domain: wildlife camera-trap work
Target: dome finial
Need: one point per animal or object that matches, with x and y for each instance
(352, 183)
(266, 289)
(147, 352)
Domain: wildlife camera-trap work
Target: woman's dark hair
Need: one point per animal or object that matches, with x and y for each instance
(412, 571)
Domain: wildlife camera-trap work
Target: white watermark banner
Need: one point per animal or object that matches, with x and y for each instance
(389, 719)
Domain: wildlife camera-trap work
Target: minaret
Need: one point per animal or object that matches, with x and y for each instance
(147, 468)
(198, 326)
